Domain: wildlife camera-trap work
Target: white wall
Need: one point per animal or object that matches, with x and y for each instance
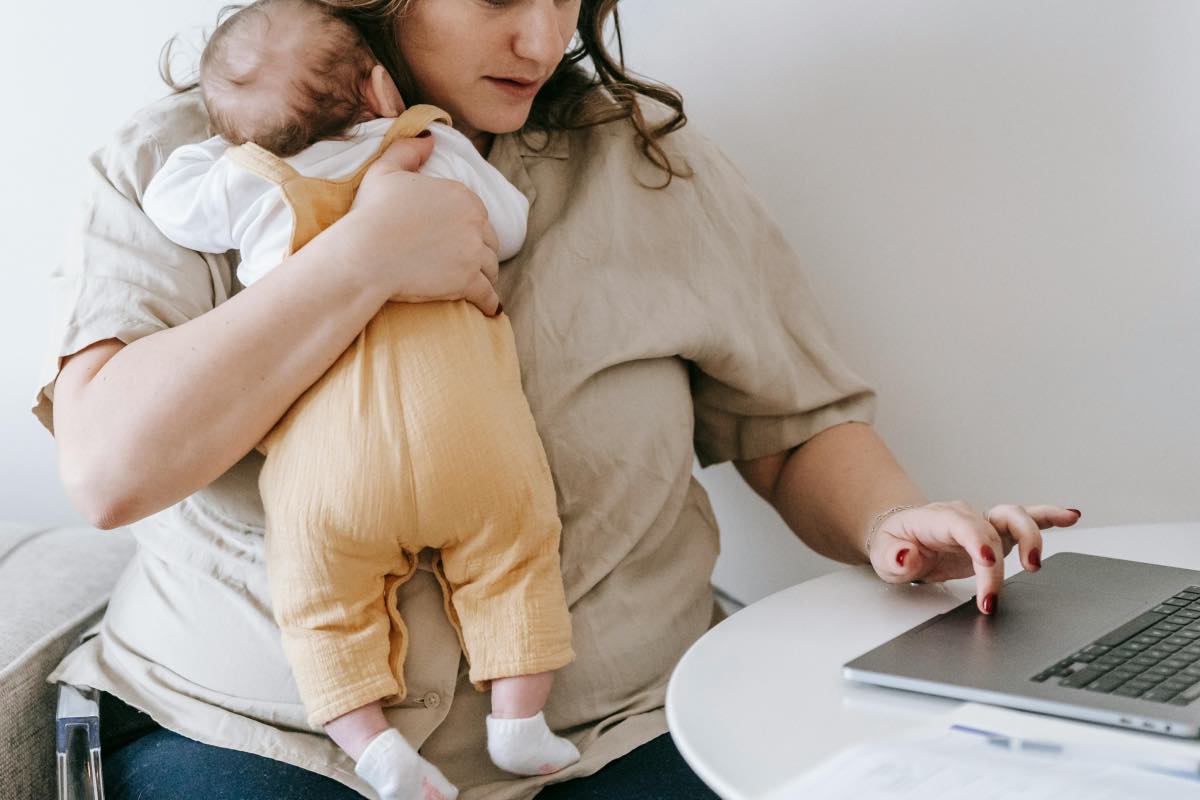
(997, 203)
(70, 74)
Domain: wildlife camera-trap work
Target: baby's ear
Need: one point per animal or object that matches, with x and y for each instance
(381, 94)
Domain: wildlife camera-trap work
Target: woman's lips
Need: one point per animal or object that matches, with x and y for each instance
(515, 88)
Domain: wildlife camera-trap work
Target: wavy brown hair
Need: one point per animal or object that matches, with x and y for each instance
(573, 97)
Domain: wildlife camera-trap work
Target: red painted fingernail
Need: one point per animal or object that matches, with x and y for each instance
(1076, 511)
(987, 555)
(989, 604)
(903, 554)
(1035, 558)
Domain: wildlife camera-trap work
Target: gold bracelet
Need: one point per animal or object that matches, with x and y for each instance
(877, 522)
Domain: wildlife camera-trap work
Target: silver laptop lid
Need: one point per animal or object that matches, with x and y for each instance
(1033, 654)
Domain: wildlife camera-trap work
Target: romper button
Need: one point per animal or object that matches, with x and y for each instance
(431, 700)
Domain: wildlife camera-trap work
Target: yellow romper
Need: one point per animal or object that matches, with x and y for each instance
(418, 436)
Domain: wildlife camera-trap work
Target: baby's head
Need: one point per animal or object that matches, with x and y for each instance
(287, 73)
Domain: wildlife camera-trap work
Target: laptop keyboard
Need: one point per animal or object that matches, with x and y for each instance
(1155, 656)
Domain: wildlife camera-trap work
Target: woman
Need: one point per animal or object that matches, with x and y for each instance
(658, 314)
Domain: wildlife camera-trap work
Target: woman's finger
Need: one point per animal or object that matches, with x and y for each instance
(895, 557)
(488, 270)
(982, 543)
(403, 155)
(1016, 522)
(894, 553)
(939, 541)
(949, 528)
(1053, 516)
(483, 294)
(895, 550)
(491, 269)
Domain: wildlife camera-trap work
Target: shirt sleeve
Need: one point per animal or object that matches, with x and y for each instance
(766, 375)
(262, 232)
(205, 202)
(120, 277)
(456, 158)
(189, 198)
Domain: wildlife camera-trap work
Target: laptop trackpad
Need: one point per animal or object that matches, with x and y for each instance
(1033, 626)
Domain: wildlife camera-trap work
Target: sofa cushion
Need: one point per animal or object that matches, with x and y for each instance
(54, 584)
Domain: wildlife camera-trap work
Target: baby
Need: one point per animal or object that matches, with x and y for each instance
(396, 448)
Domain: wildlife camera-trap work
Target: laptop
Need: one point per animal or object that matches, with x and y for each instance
(1098, 639)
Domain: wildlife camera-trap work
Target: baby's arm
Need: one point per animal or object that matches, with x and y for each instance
(187, 198)
(455, 157)
(205, 202)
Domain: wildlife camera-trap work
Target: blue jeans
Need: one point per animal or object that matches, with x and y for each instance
(143, 761)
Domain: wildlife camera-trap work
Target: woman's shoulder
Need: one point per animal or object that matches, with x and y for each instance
(691, 153)
(172, 120)
(138, 148)
(685, 139)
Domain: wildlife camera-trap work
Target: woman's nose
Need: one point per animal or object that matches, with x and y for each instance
(539, 36)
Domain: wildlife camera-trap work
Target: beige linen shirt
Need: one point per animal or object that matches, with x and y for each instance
(651, 325)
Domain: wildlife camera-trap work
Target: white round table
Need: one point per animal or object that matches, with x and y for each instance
(760, 698)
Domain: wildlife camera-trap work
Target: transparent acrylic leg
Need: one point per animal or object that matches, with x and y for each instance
(77, 731)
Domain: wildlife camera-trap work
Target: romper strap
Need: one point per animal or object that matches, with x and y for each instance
(266, 164)
(411, 122)
(262, 162)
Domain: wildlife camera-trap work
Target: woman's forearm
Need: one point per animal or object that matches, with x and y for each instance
(829, 489)
(169, 413)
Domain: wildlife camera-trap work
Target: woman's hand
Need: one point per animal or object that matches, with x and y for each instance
(942, 541)
(414, 238)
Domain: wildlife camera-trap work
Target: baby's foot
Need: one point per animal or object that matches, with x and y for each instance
(396, 772)
(434, 785)
(527, 746)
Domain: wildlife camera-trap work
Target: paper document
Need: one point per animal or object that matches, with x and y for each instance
(975, 753)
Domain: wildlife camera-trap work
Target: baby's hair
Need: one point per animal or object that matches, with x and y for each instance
(321, 93)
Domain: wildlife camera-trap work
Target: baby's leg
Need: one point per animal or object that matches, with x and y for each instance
(488, 504)
(333, 507)
(385, 760)
(505, 595)
(509, 608)
(520, 696)
(519, 740)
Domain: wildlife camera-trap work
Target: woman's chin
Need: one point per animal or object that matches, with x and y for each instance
(502, 120)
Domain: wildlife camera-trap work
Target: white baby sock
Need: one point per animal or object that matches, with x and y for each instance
(527, 746)
(397, 772)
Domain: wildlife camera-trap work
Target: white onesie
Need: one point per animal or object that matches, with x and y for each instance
(203, 201)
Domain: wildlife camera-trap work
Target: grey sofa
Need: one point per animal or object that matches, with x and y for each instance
(54, 584)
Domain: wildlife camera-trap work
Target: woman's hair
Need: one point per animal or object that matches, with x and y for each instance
(239, 71)
(573, 97)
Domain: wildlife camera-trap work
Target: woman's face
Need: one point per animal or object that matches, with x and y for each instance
(484, 60)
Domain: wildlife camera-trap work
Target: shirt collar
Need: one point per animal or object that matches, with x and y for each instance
(544, 144)
(511, 151)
